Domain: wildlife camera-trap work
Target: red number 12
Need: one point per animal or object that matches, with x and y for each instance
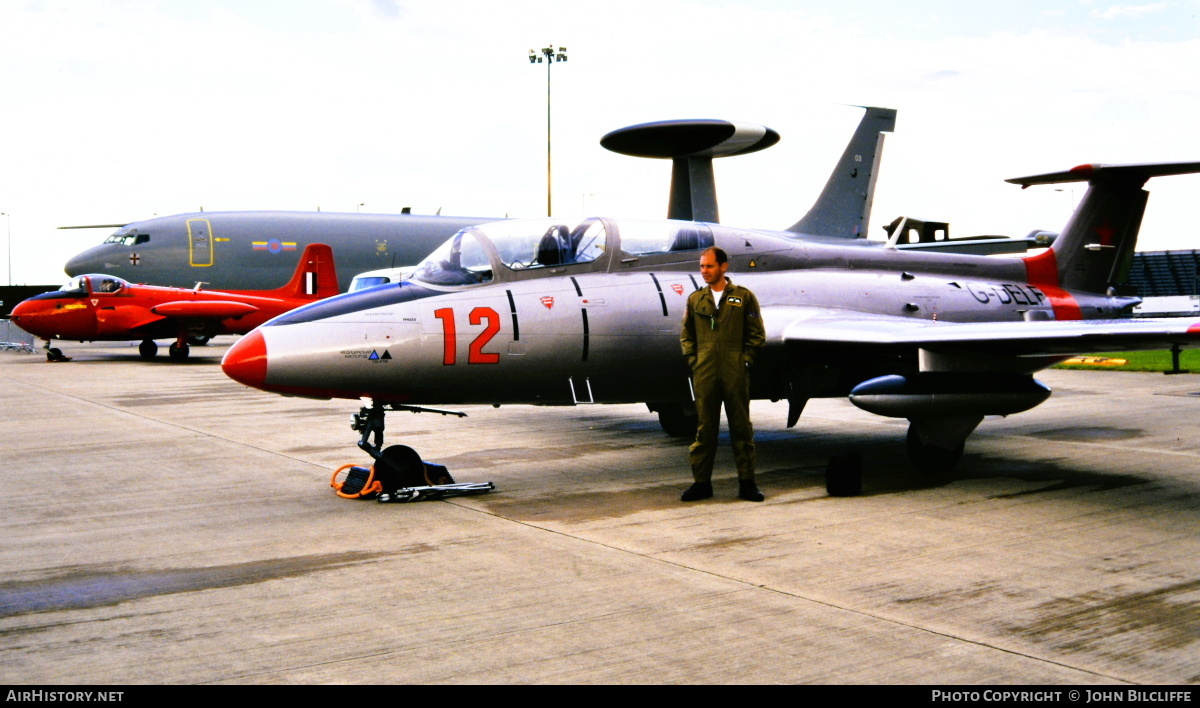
(450, 340)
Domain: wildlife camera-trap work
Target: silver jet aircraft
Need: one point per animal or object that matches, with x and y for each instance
(549, 313)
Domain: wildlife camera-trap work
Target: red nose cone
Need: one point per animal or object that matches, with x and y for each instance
(29, 314)
(246, 360)
(20, 311)
(42, 319)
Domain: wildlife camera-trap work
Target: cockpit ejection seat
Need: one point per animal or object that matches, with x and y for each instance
(552, 248)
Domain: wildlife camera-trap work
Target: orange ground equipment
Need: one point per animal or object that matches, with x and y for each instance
(401, 476)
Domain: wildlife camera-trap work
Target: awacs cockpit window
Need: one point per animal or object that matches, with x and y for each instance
(127, 238)
(459, 261)
(647, 238)
(543, 243)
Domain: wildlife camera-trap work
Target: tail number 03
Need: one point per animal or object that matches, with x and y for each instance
(476, 354)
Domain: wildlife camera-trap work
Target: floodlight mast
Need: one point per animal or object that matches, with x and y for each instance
(549, 56)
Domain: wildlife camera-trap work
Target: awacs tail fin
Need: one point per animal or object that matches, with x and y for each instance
(844, 207)
(315, 276)
(1095, 249)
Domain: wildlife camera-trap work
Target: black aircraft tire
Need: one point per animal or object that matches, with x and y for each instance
(843, 476)
(177, 352)
(148, 349)
(406, 459)
(932, 459)
(54, 354)
(678, 425)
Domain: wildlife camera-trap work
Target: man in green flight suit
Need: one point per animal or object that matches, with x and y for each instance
(722, 331)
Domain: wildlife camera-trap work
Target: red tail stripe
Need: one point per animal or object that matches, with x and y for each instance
(1064, 304)
(1042, 271)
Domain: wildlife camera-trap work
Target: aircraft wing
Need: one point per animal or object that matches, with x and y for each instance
(1049, 337)
(215, 309)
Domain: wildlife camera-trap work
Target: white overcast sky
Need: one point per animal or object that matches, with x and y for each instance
(119, 110)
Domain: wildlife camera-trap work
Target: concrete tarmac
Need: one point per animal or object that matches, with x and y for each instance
(162, 524)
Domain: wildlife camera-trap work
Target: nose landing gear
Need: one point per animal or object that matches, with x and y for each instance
(399, 474)
(54, 353)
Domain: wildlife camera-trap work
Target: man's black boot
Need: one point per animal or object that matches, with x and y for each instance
(698, 491)
(748, 490)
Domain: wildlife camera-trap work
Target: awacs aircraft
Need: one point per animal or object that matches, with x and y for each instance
(248, 250)
(107, 308)
(841, 211)
(546, 313)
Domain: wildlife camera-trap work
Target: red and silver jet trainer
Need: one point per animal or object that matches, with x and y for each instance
(548, 313)
(106, 308)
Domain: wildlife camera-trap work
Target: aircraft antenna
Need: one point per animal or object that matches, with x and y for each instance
(691, 146)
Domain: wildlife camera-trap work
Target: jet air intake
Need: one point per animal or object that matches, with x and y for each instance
(691, 146)
(935, 393)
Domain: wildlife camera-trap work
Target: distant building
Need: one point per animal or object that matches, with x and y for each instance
(10, 295)
(1167, 281)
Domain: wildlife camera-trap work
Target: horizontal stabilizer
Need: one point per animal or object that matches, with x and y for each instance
(215, 309)
(1087, 173)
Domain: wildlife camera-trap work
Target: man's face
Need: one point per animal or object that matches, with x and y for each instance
(712, 272)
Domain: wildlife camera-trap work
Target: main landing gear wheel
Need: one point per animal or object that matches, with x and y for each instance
(931, 458)
(148, 349)
(678, 424)
(178, 352)
(843, 476)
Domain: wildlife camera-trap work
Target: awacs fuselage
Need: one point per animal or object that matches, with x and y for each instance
(258, 250)
(497, 317)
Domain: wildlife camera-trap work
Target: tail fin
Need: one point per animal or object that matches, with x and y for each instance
(1095, 249)
(844, 207)
(315, 276)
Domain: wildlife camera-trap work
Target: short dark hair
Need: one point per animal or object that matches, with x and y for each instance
(718, 253)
